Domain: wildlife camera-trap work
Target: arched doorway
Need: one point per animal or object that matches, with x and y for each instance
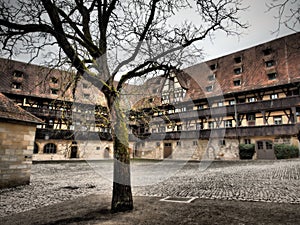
(74, 150)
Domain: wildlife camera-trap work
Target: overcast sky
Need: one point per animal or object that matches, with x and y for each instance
(262, 24)
(262, 27)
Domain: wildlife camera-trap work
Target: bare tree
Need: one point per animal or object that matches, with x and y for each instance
(105, 39)
(287, 14)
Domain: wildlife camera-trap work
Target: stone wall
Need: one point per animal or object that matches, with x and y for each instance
(16, 147)
(86, 149)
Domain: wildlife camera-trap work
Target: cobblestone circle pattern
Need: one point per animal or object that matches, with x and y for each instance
(266, 181)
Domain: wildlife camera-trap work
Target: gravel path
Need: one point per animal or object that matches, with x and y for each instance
(267, 181)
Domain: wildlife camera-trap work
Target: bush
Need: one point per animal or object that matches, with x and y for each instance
(246, 151)
(284, 151)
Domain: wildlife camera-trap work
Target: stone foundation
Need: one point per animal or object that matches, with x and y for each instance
(16, 147)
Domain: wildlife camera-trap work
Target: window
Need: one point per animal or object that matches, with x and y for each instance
(237, 82)
(213, 66)
(267, 51)
(84, 85)
(178, 143)
(238, 70)
(212, 77)
(16, 85)
(222, 142)
(18, 74)
(54, 91)
(272, 76)
(260, 145)
(179, 127)
(157, 144)
(238, 59)
(200, 106)
(168, 144)
(54, 80)
(251, 117)
(165, 99)
(252, 99)
(209, 88)
(274, 96)
(211, 125)
(277, 120)
(161, 129)
(220, 104)
(232, 102)
(228, 123)
(86, 96)
(270, 63)
(247, 141)
(195, 143)
(50, 148)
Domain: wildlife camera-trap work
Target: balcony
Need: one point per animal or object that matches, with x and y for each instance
(266, 105)
(232, 132)
(71, 135)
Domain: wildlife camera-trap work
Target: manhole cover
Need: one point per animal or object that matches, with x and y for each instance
(178, 199)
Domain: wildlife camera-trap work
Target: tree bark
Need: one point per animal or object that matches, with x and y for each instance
(122, 195)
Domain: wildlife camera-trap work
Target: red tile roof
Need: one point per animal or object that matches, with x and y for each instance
(10, 111)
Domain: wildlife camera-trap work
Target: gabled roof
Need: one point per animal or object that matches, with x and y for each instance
(10, 111)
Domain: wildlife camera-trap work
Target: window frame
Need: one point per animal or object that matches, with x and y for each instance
(237, 83)
(50, 148)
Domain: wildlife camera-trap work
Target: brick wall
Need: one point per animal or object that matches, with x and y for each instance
(16, 147)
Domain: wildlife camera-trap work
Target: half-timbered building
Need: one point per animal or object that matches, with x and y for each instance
(202, 112)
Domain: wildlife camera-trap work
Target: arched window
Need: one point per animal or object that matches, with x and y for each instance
(50, 148)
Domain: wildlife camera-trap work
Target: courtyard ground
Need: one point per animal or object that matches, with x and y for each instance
(234, 192)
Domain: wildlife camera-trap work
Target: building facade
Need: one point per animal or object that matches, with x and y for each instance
(202, 112)
(17, 136)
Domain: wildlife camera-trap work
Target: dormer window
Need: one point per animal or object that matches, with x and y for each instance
(16, 85)
(267, 51)
(209, 88)
(272, 76)
(270, 63)
(54, 80)
(18, 73)
(213, 66)
(237, 82)
(238, 70)
(211, 77)
(54, 91)
(238, 59)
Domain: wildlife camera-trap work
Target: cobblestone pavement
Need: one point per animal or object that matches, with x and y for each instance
(268, 181)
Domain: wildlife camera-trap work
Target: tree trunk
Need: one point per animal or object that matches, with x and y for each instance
(122, 195)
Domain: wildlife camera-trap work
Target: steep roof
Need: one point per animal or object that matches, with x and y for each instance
(10, 111)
